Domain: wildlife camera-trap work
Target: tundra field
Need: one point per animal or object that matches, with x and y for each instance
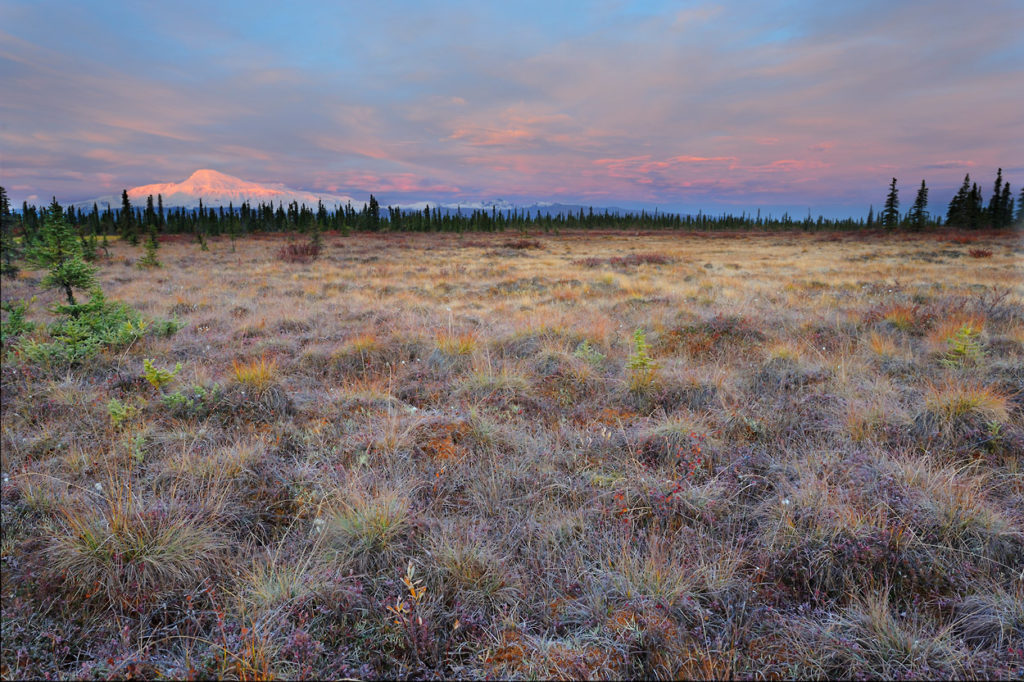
(518, 456)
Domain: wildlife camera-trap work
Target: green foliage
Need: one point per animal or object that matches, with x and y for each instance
(641, 367)
(95, 325)
(126, 220)
(197, 402)
(137, 447)
(588, 353)
(8, 244)
(120, 413)
(640, 359)
(149, 259)
(15, 325)
(60, 250)
(165, 327)
(964, 347)
(88, 247)
(157, 377)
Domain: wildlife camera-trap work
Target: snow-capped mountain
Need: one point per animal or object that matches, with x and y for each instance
(218, 189)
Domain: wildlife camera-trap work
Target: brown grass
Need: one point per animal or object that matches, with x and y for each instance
(816, 473)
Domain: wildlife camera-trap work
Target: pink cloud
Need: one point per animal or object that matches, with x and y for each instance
(389, 182)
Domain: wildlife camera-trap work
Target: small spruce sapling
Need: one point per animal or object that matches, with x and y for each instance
(640, 364)
(149, 259)
(59, 250)
(158, 377)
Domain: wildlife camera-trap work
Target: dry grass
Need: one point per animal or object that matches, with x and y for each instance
(815, 471)
(256, 374)
(954, 401)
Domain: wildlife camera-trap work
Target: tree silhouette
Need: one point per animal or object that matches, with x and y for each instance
(891, 212)
(918, 216)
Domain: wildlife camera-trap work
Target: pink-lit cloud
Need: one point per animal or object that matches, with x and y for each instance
(728, 102)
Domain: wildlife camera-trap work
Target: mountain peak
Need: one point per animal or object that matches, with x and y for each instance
(220, 189)
(210, 175)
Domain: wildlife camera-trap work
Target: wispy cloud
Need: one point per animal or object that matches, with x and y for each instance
(736, 102)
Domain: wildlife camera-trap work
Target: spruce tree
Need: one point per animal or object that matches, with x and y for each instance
(372, 213)
(126, 220)
(8, 245)
(891, 213)
(150, 214)
(958, 204)
(994, 212)
(149, 259)
(1005, 207)
(974, 210)
(918, 216)
(871, 217)
(1019, 221)
(60, 251)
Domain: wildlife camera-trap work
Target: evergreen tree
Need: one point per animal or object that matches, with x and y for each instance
(956, 213)
(373, 214)
(1005, 207)
(1020, 209)
(88, 240)
(974, 211)
(126, 220)
(60, 251)
(994, 211)
(891, 212)
(150, 215)
(918, 216)
(871, 217)
(149, 259)
(8, 245)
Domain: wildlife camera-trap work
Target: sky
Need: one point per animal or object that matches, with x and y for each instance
(795, 105)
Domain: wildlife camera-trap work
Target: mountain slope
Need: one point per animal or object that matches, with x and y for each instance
(218, 189)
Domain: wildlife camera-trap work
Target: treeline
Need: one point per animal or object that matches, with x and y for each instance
(967, 210)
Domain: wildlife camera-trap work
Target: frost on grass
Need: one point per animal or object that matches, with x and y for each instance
(554, 456)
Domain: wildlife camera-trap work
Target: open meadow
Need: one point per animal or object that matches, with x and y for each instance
(586, 455)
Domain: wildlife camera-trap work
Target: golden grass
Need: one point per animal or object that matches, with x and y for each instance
(953, 400)
(881, 345)
(456, 345)
(256, 374)
(483, 413)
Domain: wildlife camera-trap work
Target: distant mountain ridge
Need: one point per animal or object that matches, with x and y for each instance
(216, 189)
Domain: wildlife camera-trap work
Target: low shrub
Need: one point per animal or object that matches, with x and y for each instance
(99, 325)
(299, 253)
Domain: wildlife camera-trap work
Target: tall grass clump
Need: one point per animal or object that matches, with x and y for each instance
(132, 551)
(256, 374)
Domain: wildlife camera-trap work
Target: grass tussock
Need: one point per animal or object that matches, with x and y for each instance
(524, 456)
(129, 552)
(952, 403)
(257, 374)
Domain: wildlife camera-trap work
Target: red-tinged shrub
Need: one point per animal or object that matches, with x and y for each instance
(523, 244)
(299, 253)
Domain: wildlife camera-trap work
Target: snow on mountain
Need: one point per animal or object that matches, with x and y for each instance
(219, 189)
